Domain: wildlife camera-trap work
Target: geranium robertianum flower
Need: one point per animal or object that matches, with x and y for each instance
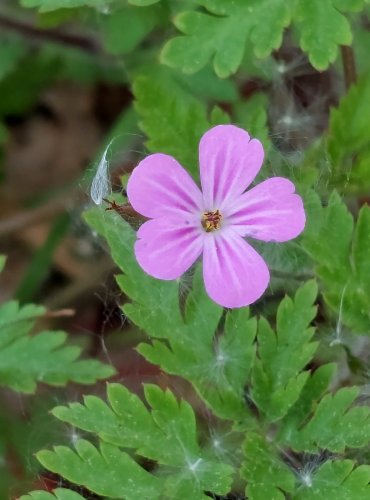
(187, 222)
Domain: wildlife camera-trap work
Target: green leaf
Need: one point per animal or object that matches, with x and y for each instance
(361, 40)
(189, 350)
(217, 369)
(348, 138)
(329, 242)
(221, 35)
(173, 120)
(57, 494)
(30, 76)
(142, 3)
(26, 360)
(15, 321)
(124, 29)
(205, 85)
(349, 5)
(44, 358)
(264, 470)
(50, 5)
(108, 472)
(167, 434)
(356, 293)
(322, 28)
(316, 386)
(339, 479)
(334, 426)
(341, 254)
(11, 51)
(277, 377)
(2, 262)
(148, 294)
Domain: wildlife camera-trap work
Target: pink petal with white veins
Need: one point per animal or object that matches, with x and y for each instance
(159, 185)
(235, 275)
(271, 211)
(166, 248)
(229, 161)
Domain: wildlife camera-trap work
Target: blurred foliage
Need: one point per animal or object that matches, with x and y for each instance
(270, 418)
(341, 254)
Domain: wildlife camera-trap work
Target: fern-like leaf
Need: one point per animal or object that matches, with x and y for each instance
(339, 479)
(263, 469)
(277, 377)
(108, 471)
(341, 255)
(221, 35)
(166, 435)
(27, 359)
(57, 494)
(172, 119)
(218, 370)
(334, 425)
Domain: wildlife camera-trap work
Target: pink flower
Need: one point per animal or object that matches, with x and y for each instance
(187, 222)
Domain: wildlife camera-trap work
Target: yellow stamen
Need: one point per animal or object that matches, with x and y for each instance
(211, 221)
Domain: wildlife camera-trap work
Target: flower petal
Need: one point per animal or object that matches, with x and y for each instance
(229, 161)
(235, 275)
(271, 211)
(166, 248)
(159, 185)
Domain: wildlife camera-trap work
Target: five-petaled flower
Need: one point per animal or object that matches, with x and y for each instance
(187, 222)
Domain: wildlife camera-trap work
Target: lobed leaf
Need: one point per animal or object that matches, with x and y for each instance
(143, 3)
(277, 376)
(190, 350)
(51, 5)
(11, 52)
(340, 479)
(322, 28)
(334, 425)
(125, 28)
(26, 360)
(221, 34)
(57, 494)
(218, 369)
(16, 321)
(315, 388)
(342, 263)
(173, 119)
(167, 435)
(348, 140)
(108, 472)
(266, 474)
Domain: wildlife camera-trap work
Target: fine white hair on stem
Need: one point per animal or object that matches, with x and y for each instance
(101, 185)
(338, 329)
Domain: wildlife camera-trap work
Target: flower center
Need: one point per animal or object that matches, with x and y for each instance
(211, 221)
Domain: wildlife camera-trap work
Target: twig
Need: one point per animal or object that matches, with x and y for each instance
(62, 313)
(34, 216)
(27, 30)
(349, 65)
